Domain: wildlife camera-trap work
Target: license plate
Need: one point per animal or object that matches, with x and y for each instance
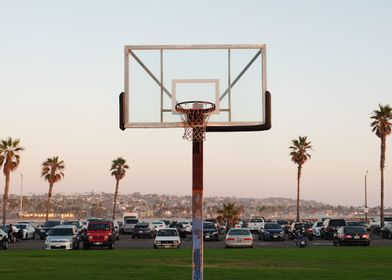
(356, 237)
(140, 231)
(239, 239)
(167, 246)
(207, 237)
(98, 243)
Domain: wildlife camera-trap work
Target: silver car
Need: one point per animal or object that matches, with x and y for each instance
(63, 237)
(28, 231)
(239, 237)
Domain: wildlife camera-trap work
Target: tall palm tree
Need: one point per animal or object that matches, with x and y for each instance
(9, 160)
(230, 212)
(119, 168)
(299, 155)
(52, 171)
(382, 125)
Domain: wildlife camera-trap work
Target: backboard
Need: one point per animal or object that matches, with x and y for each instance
(233, 77)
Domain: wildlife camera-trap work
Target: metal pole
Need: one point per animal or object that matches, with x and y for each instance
(21, 197)
(366, 208)
(197, 210)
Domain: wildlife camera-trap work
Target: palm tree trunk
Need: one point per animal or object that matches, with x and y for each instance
(382, 165)
(48, 202)
(298, 181)
(5, 197)
(115, 198)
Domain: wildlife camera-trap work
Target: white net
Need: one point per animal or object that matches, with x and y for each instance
(195, 115)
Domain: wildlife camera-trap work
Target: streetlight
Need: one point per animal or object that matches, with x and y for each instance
(21, 197)
(366, 208)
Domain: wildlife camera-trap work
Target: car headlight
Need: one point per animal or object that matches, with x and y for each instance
(158, 242)
(175, 242)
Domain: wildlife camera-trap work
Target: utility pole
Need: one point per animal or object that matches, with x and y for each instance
(366, 207)
(21, 196)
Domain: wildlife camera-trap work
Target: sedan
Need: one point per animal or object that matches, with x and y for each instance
(351, 236)
(167, 238)
(26, 231)
(272, 231)
(239, 237)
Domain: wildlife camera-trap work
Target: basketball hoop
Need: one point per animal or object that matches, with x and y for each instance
(195, 115)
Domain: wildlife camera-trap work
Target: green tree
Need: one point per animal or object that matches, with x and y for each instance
(299, 155)
(381, 125)
(9, 160)
(119, 169)
(52, 171)
(230, 213)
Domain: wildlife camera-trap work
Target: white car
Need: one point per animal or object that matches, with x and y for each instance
(187, 226)
(157, 225)
(167, 238)
(27, 229)
(239, 237)
(63, 237)
(316, 228)
(255, 224)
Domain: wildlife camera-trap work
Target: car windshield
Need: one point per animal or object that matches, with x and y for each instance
(51, 223)
(255, 220)
(176, 226)
(357, 224)
(272, 226)
(99, 226)
(156, 223)
(167, 232)
(208, 226)
(21, 226)
(239, 232)
(354, 230)
(60, 232)
(282, 222)
(131, 221)
(141, 225)
(337, 223)
(71, 223)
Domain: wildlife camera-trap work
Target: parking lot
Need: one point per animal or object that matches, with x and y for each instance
(126, 242)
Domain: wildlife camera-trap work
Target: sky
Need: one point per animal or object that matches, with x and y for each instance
(329, 66)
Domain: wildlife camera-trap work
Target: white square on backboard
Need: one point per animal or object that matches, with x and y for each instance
(196, 81)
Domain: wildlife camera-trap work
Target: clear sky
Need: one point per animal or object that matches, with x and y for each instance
(329, 65)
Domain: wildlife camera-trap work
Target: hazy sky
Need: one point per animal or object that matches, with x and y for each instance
(329, 65)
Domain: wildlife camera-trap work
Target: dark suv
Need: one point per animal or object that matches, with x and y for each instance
(330, 227)
(210, 231)
(46, 227)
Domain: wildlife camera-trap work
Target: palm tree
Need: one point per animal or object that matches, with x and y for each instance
(382, 126)
(299, 155)
(119, 168)
(230, 212)
(52, 171)
(9, 159)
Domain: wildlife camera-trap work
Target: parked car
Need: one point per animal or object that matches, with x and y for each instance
(304, 228)
(63, 237)
(158, 225)
(143, 230)
(272, 231)
(316, 228)
(99, 234)
(167, 238)
(239, 237)
(285, 224)
(187, 226)
(210, 231)
(46, 227)
(386, 231)
(255, 224)
(129, 224)
(120, 225)
(26, 231)
(180, 228)
(330, 227)
(33, 224)
(4, 241)
(347, 235)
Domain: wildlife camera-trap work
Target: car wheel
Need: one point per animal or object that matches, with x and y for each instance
(86, 246)
(5, 245)
(155, 247)
(33, 236)
(118, 237)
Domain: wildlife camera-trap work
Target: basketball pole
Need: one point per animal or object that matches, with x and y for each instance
(197, 210)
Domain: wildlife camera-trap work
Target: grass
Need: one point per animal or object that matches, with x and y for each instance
(272, 263)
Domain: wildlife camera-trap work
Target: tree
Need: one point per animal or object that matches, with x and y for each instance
(9, 160)
(299, 155)
(230, 212)
(52, 171)
(381, 125)
(119, 168)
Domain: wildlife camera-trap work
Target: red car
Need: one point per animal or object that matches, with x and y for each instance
(99, 234)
